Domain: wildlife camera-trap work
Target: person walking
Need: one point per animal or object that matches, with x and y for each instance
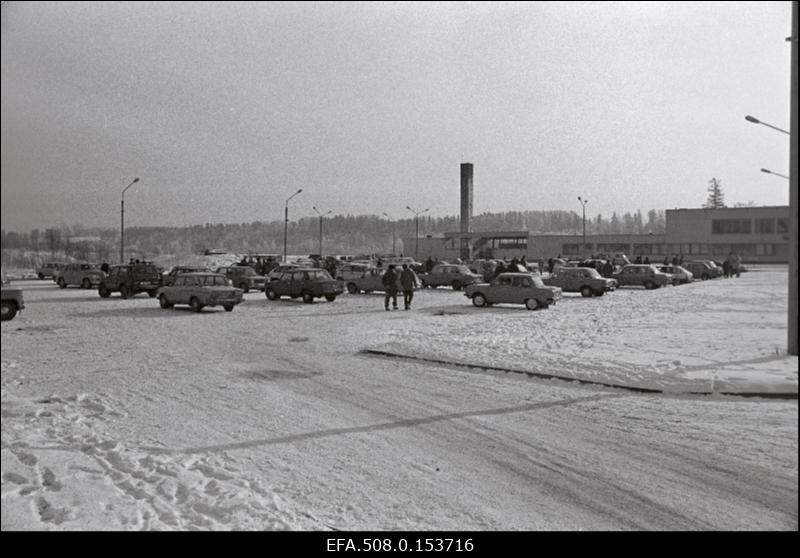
(408, 281)
(389, 282)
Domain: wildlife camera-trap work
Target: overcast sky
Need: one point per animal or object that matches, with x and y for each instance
(223, 110)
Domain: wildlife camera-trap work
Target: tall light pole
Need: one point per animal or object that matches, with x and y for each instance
(122, 222)
(792, 341)
(755, 120)
(775, 173)
(286, 223)
(321, 215)
(793, 93)
(583, 205)
(416, 237)
(394, 233)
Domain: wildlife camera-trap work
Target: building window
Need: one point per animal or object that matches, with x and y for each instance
(783, 226)
(612, 249)
(765, 226)
(571, 249)
(731, 226)
(744, 249)
(765, 249)
(642, 249)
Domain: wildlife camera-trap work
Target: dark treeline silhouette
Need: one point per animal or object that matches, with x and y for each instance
(342, 234)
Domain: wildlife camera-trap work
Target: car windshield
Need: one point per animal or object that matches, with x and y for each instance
(245, 270)
(537, 281)
(592, 272)
(319, 274)
(463, 269)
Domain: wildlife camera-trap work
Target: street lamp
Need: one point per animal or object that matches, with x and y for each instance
(775, 173)
(755, 120)
(122, 222)
(286, 222)
(394, 235)
(416, 223)
(321, 215)
(583, 205)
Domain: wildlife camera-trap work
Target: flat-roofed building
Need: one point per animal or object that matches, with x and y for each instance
(757, 234)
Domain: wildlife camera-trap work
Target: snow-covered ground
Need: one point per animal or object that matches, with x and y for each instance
(117, 414)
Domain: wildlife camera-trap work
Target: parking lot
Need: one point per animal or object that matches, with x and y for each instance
(285, 415)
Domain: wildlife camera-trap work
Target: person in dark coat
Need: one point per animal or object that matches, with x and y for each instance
(389, 282)
(408, 280)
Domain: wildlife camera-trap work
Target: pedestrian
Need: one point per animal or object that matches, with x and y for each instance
(737, 263)
(408, 281)
(550, 265)
(389, 282)
(104, 267)
(647, 260)
(675, 260)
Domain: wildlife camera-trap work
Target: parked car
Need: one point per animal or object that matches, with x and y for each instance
(679, 274)
(372, 280)
(131, 279)
(704, 269)
(200, 289)
(243, 277)
(86, 275)
(514, 288)
(12, 302)
(351, 271)
(643, 275)
(451, 275)
(49, 269)
(168, 278)
(308, 283)
(584, 280)
(277, 272)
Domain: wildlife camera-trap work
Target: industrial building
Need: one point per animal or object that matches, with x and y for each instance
(757, 234)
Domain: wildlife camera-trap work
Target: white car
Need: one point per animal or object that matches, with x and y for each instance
(680, 275)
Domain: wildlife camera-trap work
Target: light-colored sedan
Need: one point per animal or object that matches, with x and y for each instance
(199, 290)
(514, 288)
(680, 275)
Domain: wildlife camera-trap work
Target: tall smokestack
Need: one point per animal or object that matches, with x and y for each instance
(466, 207)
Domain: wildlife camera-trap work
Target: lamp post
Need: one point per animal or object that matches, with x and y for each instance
(321, 215)
(394, 233)
(416, 234)
(583, 205)
(122, 222)
(775, 173)
(755, 120)
(286, 222)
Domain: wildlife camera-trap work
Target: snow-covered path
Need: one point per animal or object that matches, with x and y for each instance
(117, 414)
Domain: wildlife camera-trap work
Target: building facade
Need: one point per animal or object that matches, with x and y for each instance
(757, 234)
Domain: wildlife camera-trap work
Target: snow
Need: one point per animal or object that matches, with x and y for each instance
(118, 415)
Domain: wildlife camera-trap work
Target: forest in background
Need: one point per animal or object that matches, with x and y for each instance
(342, 234)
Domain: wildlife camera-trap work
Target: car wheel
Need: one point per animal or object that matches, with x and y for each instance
(244, 287)
(228, 308)
(103, 291)
(308, 298)
(479, 300)
(41, 276)
(649, 285)
(195, 304)
(704, 277)
(124, 291)
(352, 289)
(456, 285)
(271, 294)
(162, 300)
(586, 291)
(7, 311)
(62, 283)
(86, 284)
(532, 304)
(330, 298)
